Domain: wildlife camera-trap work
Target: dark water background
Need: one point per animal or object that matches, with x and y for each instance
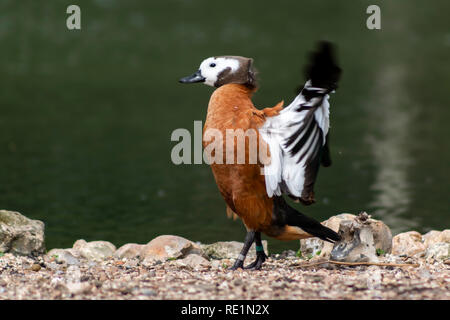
(86, 116)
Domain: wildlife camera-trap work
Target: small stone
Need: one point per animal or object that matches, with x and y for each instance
(237, 282)
(102, 277)
(193, 261)
(36, 267)
(148, 292)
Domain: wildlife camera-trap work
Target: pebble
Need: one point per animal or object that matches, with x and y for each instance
(115, 278)
(36, 267)
(148, 292)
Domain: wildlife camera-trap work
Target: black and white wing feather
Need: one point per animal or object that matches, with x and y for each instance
(298, 136)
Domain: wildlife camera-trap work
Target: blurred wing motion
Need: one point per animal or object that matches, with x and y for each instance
(298, 136)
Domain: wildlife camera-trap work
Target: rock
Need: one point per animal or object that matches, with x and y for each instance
(357, 245)
(68, 256)
(230, 250)
(94, 250)
(430, 237)
(438, 251)
(408, 243)
(434, 236)
(79, 244)
(169, 247)
(372, 235)
(36, 267)
(129, 251)
(193, 261)
(445, 236)
(20, 235)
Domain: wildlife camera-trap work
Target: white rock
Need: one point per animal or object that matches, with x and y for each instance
(64, 256)
(438, 251)
(434, 236)
(94, 250)
(408, 243)
(21, 235)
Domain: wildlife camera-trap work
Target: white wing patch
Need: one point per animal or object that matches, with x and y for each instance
(295, 137)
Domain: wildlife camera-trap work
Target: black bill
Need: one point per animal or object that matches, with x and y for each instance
(196, 77)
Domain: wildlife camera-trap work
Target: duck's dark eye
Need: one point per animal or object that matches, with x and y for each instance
(212, 65)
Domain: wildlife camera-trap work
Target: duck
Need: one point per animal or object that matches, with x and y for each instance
(296, 140)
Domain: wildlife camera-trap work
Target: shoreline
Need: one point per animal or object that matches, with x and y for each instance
(404, 267)
(283, 276)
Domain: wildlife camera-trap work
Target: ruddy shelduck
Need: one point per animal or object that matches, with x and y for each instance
(296, 140)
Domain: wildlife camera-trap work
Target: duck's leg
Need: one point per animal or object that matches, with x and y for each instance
(260, 254)
(249, 238)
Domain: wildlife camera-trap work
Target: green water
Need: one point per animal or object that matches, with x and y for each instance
(86, 116)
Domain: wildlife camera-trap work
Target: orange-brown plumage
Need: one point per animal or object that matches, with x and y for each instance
(242, 185)
(239, 139)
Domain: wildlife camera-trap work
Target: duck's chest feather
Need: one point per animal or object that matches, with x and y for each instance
(230, 107)
(241, 185)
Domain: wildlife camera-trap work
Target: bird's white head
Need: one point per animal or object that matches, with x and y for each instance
(217, 71)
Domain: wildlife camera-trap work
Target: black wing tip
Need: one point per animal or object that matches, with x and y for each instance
(323, 69)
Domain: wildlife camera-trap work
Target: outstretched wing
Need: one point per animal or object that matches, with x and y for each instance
(298, 136)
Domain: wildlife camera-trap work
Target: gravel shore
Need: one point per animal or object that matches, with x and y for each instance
(172, 267)
(282, 277)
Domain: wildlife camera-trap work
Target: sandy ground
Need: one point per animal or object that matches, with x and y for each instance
(282, 277)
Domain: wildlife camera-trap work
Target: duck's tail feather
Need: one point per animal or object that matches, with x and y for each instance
(322, 69)
(292, 217)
